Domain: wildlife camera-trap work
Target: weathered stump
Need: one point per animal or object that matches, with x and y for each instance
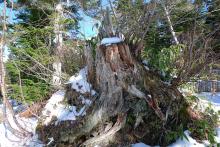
(120, 80)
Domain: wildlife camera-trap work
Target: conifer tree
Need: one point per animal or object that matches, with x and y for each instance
(34, 49)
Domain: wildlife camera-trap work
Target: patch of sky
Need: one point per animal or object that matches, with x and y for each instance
(10, 13)
(87, 27)
(11, 18)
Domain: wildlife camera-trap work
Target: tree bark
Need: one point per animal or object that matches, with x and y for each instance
(170, 24)
(90, 63)
(58, 28)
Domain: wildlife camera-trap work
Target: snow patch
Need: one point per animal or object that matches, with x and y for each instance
(56, 108)
(59, 7)
(217, 138)
(140, 145)
(80, 84)
(214, 98)
(145, 62)
(112, 40)
(184, 142)
(205, 99)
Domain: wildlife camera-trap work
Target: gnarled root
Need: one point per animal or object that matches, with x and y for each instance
(108, 136)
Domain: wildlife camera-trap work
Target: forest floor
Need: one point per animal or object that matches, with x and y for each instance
(56, 110)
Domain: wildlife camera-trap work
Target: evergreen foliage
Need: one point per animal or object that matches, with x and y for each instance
(32, 51)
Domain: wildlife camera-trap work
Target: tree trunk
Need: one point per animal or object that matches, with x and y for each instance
(88, 55)
(170, 23)
(120, 80)
(58, 28)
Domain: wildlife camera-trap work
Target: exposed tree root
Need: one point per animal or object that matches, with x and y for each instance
(151, 102)
(108, 136)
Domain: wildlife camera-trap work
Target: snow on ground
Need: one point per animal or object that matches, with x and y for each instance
(192, 142)
(112, 40)
(179, 142)
(183, 142)
(213, 98)
(55, 107)
(206, 99)
(140, 145)
(7, 139)
(79, 82)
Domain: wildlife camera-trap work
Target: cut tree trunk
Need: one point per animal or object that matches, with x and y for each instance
(121, 83)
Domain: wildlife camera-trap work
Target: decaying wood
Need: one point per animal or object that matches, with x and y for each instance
(151, 102)
(90, 63)
(108, 136)
(115, 72)
(110, 69)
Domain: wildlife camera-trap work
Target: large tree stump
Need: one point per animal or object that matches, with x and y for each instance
(114, 66)
(120, 80)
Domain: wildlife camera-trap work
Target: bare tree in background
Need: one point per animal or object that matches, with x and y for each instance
(167, 14)
(58, 30)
